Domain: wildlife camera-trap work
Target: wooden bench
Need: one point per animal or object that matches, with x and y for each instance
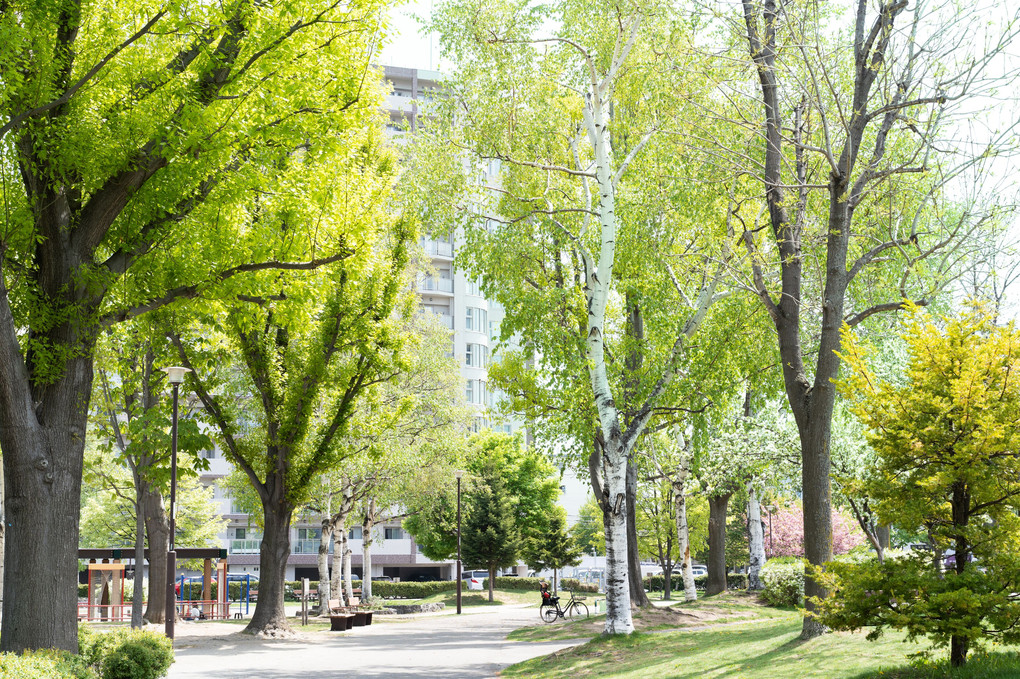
(341, 618)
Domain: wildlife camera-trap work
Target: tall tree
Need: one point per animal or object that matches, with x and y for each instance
(128, 134)
(859, 116)
(131, 420)
(311, 352)
(579, 193)
(491, 535)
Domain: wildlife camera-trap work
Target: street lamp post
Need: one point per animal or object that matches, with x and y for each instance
(175, 375)
(460, 581)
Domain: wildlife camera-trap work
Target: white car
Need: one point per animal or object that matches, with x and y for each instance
(696, 570)
(474, 579)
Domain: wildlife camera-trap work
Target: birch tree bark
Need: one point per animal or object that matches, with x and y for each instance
(755, 540)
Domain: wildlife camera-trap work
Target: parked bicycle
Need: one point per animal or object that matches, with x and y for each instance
(550, 609)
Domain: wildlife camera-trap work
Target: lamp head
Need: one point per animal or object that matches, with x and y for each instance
(175, 374)
(459, 473)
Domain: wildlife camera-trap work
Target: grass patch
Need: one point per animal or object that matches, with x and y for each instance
(748, 651)
(730, 607)
(1002, 665)
(747, 641)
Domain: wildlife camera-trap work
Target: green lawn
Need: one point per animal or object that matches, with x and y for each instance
(735, 638)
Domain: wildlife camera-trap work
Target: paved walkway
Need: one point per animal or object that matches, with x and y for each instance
(439, 646)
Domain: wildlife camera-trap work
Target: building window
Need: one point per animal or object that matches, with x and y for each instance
(475, 319)
(309, 533)
(471, 287)
(239, 533)
(354, 533)
(476, 355)
(475, 392)
(209, 454)
(394, 534)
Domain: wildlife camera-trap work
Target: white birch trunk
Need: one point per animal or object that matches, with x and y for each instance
(366, 550)
(684, 543)
(679, 485)
(339, 543)
(755, 540)
(347, 551)
(323, 563)
(618, 613)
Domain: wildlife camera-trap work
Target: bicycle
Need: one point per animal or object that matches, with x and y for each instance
(575, 608)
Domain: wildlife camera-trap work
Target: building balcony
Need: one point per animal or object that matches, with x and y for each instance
(245, 546)
(433, 284)
(437, 248)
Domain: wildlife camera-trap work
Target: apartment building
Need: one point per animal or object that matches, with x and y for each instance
(473, 322)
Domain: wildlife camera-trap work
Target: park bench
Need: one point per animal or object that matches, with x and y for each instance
(345, 617)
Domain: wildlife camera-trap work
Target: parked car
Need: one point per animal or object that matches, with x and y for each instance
(696, 570)
(474, 579)
(381, 578)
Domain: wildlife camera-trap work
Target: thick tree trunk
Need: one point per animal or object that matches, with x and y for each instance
(3, 523)
(492, 583)
(717, 543)
(638, 596)
(958, 651)
(817, 501)
(667, 582)
(755, 541)
(138, 584)
(618, 613)
(157, 529)
(367, 526)
(43, 445)
(270, 617)
(322, 562)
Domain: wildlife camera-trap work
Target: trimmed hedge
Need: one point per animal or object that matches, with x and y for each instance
(657, 583)
(575, 585)
(411, 590)
(783, 578)
(516, 584)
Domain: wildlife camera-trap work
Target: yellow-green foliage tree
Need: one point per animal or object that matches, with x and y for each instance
(949, 463)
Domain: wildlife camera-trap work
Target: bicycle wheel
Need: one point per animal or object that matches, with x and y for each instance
(549, 614)
(577, 610)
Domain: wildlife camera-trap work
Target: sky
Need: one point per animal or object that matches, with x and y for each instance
(406, 46)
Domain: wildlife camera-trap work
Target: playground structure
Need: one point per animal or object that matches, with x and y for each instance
(105, 600)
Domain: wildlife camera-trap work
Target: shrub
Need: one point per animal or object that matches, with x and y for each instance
(143, 655)
(46, 664)
(411, 590)
(783, 578)
(125, 654)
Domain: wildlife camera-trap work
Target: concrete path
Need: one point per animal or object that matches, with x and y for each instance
(437, 646)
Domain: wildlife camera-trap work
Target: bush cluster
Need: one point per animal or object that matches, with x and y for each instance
(121, 654)
(411, 590)
(783, 577)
